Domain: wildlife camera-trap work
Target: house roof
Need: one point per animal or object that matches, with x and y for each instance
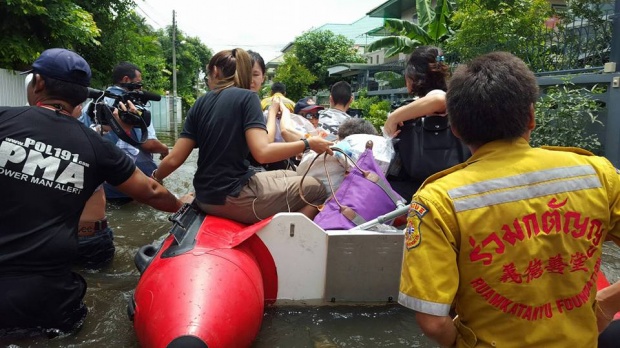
(354, 31)
(352, 69)
(391, 8)
(274, 63)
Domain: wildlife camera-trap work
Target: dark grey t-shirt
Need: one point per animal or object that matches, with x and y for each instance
(217, 123)
(50, 164)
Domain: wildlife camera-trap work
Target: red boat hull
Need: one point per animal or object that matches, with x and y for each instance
(212, 295)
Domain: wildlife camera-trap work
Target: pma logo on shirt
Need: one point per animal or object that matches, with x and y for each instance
(38, 163)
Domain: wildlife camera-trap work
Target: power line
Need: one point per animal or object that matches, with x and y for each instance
(154, 10)
(148, 16)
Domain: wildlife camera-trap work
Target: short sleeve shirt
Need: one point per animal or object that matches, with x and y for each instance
(512, 239)
(217, 123)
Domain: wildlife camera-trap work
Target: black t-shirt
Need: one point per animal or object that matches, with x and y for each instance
(217, 123)
(50, 164)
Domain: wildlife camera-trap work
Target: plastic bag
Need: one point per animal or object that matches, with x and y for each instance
(382, 150)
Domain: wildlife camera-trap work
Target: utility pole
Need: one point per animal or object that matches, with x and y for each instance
(174, 73)
(174, 55)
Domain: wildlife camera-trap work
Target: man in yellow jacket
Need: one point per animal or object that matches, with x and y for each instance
(278, 90)
(510, 240)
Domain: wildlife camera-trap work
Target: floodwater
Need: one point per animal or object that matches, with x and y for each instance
(135, 225)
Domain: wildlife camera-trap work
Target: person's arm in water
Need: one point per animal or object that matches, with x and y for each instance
(440, 329)
(608, 304)
(145, 190)
(434, 103)
(181, 150)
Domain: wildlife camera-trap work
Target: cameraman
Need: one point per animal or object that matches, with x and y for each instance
(127, 77)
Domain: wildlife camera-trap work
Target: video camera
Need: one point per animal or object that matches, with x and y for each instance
(101, 113)
(138, 98)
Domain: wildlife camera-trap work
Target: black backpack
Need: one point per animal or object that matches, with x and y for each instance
(426, 146)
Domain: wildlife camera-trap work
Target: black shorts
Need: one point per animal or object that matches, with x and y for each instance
(40, 304)
(96, 251)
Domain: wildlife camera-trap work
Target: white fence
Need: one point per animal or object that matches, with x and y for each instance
(13, 93)
(12, 88)
(162, 115)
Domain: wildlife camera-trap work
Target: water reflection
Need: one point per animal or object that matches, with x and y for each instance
(134, 225)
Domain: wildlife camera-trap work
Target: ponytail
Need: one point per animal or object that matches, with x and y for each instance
(235, 68)
(243, 73)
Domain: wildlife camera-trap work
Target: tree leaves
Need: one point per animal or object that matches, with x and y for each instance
(105, 33)
(295, 76)
(433, 28)
(30, 26)
(318, 50)
(567, 115)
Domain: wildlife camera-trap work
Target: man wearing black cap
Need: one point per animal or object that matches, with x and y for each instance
(50, 165)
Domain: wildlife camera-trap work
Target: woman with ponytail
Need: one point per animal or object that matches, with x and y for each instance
(226, 125)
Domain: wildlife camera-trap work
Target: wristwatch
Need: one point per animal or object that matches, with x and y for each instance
(306, 143)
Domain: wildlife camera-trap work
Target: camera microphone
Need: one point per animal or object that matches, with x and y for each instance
(146, 96)
(95, 93)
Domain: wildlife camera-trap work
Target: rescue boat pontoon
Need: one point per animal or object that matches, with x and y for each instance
(207, 284)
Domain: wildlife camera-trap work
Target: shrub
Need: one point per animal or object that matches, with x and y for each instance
(373, 109)
(568, 116)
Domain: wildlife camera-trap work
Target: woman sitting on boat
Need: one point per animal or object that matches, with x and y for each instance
(226, 125)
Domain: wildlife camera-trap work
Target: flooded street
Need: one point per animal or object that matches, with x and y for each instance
(135, 225)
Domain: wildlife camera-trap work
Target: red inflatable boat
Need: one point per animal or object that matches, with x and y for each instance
(184, 298)
(207, 284)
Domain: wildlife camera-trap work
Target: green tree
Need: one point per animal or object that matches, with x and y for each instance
(516, 26)
(295, 76)
(192, 57)
(105, 33)
(317, 50)
(30, 26)
(432, 28)
(125, 37)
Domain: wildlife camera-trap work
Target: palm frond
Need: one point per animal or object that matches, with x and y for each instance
(394, 45)
(406, 29)
(425, 12)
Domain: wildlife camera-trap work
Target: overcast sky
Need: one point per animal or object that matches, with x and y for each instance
(264, 26)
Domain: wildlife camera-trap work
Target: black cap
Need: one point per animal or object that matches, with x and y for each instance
(62, 64)
(302, 103)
